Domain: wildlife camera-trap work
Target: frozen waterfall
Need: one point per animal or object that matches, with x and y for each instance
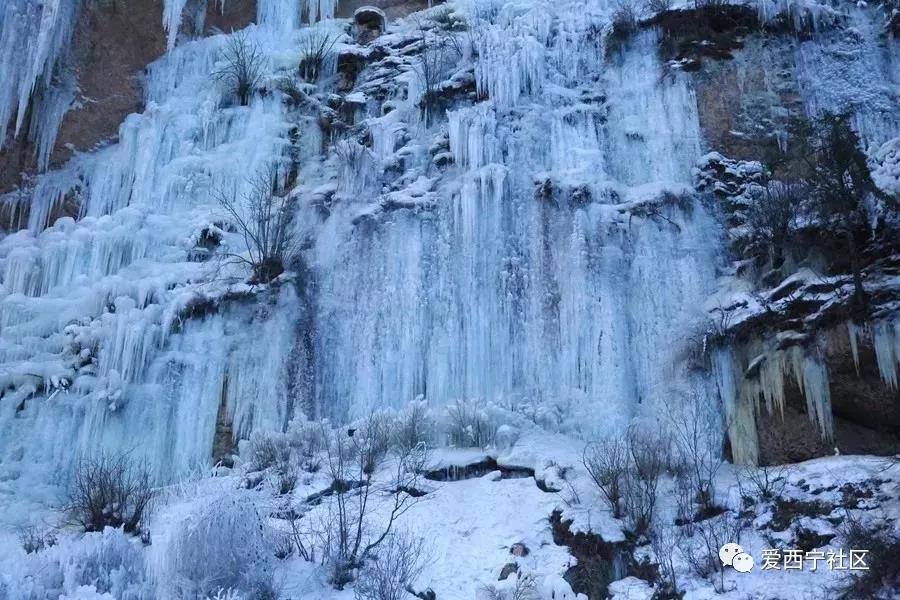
(543, 269)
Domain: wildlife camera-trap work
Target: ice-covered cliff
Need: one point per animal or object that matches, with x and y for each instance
(500, 203)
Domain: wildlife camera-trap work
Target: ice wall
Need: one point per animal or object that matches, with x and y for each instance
(551, 266)
(525, 278)
(96, 350)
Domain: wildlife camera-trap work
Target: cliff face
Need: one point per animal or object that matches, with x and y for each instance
(112, 43)
(558, 246)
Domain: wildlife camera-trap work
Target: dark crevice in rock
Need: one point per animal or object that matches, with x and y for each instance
(478, 469)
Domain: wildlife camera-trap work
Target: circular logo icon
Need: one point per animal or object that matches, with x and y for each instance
(742, 562)
(728, 552)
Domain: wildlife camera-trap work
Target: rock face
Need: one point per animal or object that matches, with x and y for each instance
(113, 42)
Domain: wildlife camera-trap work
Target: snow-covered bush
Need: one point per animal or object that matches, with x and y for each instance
(109, 491)
(216, 542)
(109, 561)
(35, 539)
(415, 425)
(267, 449)
(392, 571)
(308, 440)
(886, 167)
(271, 451)
(518, 586)
(470, 426)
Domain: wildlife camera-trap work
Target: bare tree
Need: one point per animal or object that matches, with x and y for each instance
(349, 535)
(315, 47)
(701, 550)
(664, 541)
(841, 184)
(263, 218)
(241, 68)
(109, 491)
(391, 572)
(438, 50)
(624, 20)
(764, 482)
(607, 464)
(648, 454)
(696, 436)
(772, 217)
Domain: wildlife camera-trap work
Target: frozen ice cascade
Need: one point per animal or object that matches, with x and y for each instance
(541, 269)
(522, 274)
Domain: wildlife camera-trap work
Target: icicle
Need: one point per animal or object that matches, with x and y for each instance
(853, 332)
(173, 11)
(818, 395)
(739, 414)
(34, 39)
(472, 138)
(887, 351)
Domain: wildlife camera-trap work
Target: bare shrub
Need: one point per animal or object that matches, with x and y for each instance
(696, 436)
(656, 7)
(356, 163)
(648, 459)
(241, 68)
(391, 572)
(522, 586)
(881, 579)
(315, 48)
(685, 498)
(109, 491)
(701, 550)
(772, 216)
(664, 542)
(607, 464)
(470, 426)
(440, 49)
(348, 537)
(765, 482)
(263, 218)
(624, 20)
(35, 539)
